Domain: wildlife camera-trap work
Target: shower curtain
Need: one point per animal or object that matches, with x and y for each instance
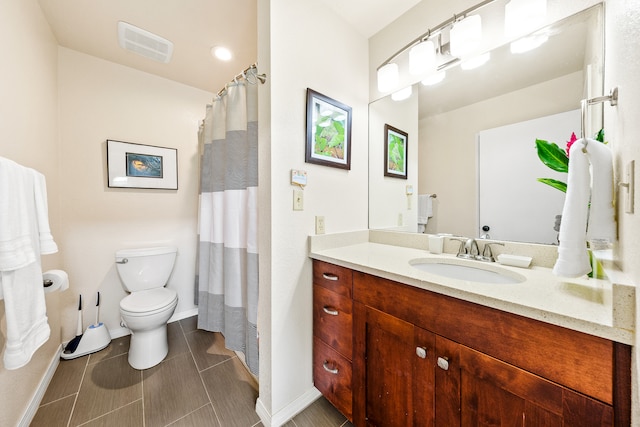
(228, 219)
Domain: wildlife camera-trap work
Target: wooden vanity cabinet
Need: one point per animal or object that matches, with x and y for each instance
(424, 359)
(333, 334)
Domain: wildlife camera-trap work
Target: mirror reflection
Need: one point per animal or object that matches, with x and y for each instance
(471, 144)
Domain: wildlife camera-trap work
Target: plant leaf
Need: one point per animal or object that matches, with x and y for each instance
(552, 155)
(554, 183)
(600, 136)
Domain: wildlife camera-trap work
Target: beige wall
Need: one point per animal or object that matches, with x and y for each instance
(100, 100)
(29, 131)
(309, 46)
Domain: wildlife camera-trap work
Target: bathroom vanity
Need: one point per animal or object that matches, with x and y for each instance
(394, 346)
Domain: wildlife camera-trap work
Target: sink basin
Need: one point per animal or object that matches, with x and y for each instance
(467, 270)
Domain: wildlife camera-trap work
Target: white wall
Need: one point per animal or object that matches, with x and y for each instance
(309, 47)
(28, 126)
(623, 131)
(100, 100)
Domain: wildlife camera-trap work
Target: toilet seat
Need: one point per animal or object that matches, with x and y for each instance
(148, 302)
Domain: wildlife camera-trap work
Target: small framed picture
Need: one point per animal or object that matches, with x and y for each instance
(395, 152)
(328, 131)
(141, 166)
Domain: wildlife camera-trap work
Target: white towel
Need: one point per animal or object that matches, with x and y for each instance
(573, 257)
(24, 235)
(602, 225)
(425, 208)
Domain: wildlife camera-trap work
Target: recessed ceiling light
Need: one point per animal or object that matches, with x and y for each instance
(221, 52)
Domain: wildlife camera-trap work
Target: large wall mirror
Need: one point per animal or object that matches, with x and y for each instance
(472, 138)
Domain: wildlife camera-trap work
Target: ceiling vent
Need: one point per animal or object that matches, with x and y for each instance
(144, 43)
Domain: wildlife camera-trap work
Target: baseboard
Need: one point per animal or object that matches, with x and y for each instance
(28, 415)
(289, 411)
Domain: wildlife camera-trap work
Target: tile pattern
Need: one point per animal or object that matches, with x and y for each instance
(200, 383)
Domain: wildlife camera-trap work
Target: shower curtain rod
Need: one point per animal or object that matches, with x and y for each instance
(243, 75)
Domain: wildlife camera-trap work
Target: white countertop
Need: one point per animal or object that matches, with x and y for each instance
(596, 307)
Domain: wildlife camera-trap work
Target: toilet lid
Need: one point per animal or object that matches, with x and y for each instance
(149, 300)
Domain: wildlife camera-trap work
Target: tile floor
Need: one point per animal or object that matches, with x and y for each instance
(200, 383)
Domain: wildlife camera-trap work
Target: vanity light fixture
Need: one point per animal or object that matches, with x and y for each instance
(402, 94)
(434, 78)
(522, 17)
(465, 36)
(476, 61)
(422, 58)
(388, 77)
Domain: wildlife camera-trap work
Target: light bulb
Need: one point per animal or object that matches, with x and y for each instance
(523, 16)
(466, 35)
(422, 58)
(402, 94)
(434, 78)
(388, 77)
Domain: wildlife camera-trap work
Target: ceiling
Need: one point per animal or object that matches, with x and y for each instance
(194, 27)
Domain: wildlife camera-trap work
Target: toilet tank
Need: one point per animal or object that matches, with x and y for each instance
(145, 268)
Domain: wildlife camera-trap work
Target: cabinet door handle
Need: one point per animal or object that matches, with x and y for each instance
(443, 363)
(330, 276)
(330, 310)
(326, 367)
(421, 352)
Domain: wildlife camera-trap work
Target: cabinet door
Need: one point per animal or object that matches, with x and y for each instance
(398, 371)
(494, 393)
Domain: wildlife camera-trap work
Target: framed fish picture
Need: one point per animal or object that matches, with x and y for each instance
(132, 165)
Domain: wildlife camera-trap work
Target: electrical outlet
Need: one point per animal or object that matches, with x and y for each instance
(298, 200)
(400, 219)
(319, 225)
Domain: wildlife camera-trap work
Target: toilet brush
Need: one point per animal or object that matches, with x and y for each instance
(73, 344)
(95, 338)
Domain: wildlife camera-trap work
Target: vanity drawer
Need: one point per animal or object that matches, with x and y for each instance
(332, 320)
(333, 277)
(332, 375)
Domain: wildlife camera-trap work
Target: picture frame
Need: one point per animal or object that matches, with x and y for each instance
(328, 139)
(131, 165)
(395, 152)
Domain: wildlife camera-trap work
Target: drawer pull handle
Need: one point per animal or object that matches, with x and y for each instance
(326, 367)
(330, 276)
(443, 363)
(330, 310)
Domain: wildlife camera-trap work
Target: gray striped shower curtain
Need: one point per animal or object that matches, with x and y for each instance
(227, 281)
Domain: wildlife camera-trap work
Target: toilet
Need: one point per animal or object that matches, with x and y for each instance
(145, 311)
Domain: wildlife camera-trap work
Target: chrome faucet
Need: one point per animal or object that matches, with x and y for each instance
(468, 249)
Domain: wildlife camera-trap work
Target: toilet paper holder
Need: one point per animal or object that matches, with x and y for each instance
(55, 280)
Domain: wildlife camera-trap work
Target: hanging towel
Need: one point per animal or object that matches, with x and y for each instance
(602, 225)
(573, 257)
(425, 208)
(24, 235)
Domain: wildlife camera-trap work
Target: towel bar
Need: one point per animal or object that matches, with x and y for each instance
(613, 100)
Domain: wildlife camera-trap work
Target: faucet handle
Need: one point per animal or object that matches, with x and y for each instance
(487, 253)
(462, 250)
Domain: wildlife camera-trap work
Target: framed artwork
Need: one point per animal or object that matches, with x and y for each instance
(328, 131)
(141, 166)
(395, 152)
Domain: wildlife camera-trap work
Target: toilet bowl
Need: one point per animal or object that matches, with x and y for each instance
(146, 310)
